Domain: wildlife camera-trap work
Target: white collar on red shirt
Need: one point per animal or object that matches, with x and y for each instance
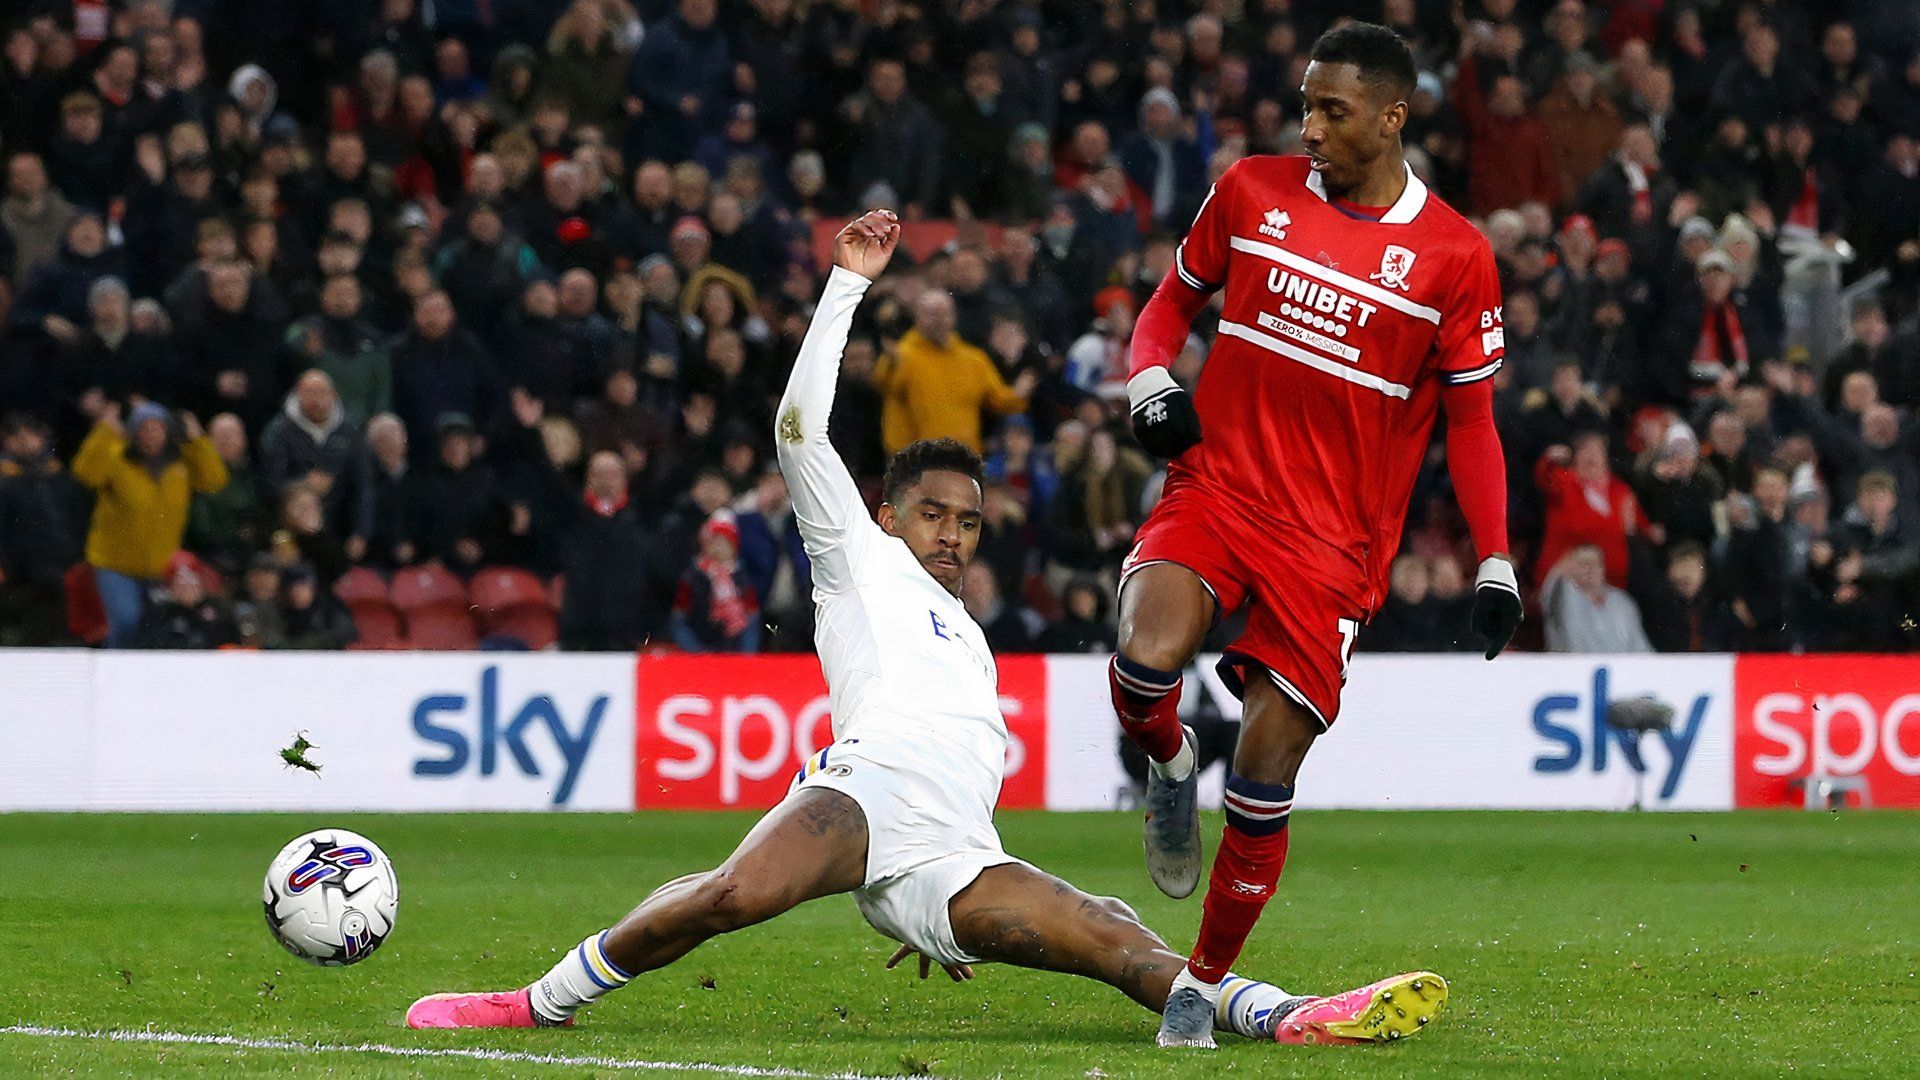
(1404, 209)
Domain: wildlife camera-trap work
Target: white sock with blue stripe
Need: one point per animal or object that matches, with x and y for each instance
(1250, 1008)
(582, 977)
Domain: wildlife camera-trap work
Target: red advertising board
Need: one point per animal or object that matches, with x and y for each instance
(1833, 715)
(727, 732)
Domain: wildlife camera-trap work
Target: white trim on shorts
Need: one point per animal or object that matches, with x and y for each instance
(1219, 609)
(1294, 692)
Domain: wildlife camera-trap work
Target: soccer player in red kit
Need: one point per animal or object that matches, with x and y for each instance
(1357, 306)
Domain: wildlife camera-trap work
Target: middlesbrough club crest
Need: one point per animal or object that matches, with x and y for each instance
(1395, 265)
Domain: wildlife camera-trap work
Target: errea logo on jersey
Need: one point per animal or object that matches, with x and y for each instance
(1276, 224)
(1395, 265)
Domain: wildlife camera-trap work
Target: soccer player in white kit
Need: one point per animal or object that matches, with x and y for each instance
(899, 810)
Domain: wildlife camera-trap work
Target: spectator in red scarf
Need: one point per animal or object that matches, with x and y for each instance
(614, 574)
(1587, 504)
(715, 609)
(1704, 341)
(1631, 197)
(1805, 195)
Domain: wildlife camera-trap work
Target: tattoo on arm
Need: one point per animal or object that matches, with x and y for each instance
(1008, 936)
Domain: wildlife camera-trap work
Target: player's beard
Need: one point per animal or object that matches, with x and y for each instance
(945, 567)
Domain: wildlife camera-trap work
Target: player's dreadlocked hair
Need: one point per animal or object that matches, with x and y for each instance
(925, 456)
(1383, 59)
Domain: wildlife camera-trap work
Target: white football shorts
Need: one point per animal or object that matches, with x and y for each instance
(930, 831)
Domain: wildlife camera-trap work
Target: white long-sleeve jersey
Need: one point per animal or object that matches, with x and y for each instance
(900, 652)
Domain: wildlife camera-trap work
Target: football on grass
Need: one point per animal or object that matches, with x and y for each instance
(331, 897)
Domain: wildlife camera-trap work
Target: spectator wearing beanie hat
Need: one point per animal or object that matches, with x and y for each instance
(187, 615)
(143, 478)
(1678, 492)
(459, 510)
(1163, 160)
(715, 610)
(1705, 341)
(691, 244)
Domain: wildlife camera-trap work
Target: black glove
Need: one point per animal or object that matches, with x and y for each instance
(1164, 419)
(1496, 604)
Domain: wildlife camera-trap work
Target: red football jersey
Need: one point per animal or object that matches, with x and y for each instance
(1319, 396)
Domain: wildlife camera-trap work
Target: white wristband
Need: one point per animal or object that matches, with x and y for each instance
(1150, 385)
(1498, 573)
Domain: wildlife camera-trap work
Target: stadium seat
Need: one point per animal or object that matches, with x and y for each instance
(86, 615)
(433, 604)
(365, 595)
(427, 585)
(440, 631)
(499, 589)
(361, 586)
(379, 629)
(513, 602)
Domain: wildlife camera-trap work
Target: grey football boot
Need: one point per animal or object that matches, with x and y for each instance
(1187, 1021)
(1172, 827)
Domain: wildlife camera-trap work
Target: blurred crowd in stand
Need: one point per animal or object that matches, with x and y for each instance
(297, 300)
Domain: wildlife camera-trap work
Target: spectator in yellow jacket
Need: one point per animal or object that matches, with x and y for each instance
(938, 385)
(144, 483)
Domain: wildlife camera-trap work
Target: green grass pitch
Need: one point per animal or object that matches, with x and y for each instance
(1577, 945)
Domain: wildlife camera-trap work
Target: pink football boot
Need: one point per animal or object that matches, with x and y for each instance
(513, 1008)
(1382, 1012)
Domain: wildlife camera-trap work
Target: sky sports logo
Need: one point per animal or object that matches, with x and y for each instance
(1574, 725)
(472, 730)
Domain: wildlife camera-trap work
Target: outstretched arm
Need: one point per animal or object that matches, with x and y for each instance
(827, 505)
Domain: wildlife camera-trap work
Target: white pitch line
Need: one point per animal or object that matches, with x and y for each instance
(519, 1057)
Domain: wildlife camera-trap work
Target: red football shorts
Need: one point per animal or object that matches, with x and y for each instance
(1300, 629)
